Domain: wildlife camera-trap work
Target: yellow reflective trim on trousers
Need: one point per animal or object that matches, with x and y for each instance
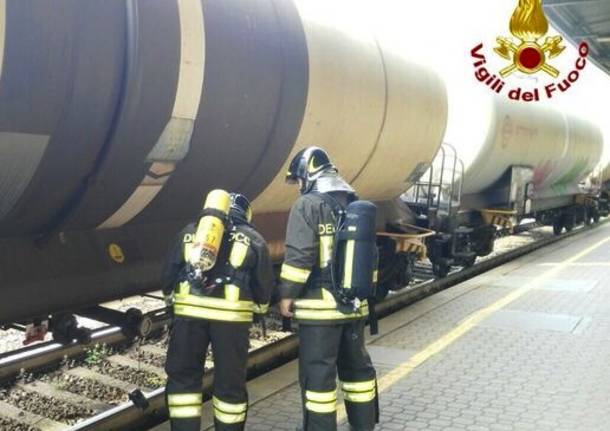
(294, 274)
(328, 315)
(321, 397)
(232, 293)
(315, 407)
(211, 314)
(367, 385)
(238, 254)
(326, 250)
(260, 308)
(229, 407)
(183, 412)
(220, 303)
(184, 399)
(349, 264)
(359, 397)
(375, 276)
(229, 418)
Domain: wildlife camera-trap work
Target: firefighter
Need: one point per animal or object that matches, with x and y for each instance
(331, 338)
(217, 310)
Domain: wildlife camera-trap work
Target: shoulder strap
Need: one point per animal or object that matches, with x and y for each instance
(335, 206)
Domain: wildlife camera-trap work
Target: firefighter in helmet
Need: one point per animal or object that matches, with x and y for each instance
(215, 308)
(331, 338)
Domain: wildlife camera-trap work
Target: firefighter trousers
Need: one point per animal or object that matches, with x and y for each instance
(189, 341)
(325, 350)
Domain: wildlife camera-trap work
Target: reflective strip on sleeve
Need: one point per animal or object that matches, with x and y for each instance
(260, 308)
(184, 405)
(229, 413)
(294, 274)
(321, 402)
(359, 392)
(375, 276)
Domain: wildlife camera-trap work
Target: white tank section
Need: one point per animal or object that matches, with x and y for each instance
(380, 117)
(606, 173)
(561, 149)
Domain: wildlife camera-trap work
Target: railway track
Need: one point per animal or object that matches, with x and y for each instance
(77, 387)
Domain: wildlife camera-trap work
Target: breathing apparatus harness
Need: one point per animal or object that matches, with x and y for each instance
(350, 270)
(222, 273)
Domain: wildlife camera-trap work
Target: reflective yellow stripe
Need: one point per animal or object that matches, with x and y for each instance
(321, 407)
(359, 397)
(260, 308)
(232, 293)
(326, 250)
(212, 314)
(229, 418)
(321, 402)
(375, 276)
(359, 392)
(329, 314)
(229, 407)
(349, 264)
(294, 274)
(322, 304)
(208, 301)
(321, 397)
(367, 385)
(184, 399)
(238, 254)
(229, 413)
(182, 412)
(184, 288)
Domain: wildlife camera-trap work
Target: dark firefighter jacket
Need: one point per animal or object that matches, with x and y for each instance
(243, 259)
(309, 250)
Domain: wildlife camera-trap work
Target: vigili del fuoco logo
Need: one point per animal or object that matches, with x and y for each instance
(530, 51)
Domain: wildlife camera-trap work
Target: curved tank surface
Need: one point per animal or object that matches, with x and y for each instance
(123, 114)
(606, 173)
(561, 149)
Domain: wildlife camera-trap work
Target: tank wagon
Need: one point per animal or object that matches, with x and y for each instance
(604, 192)
(116, 118)
(523, 161)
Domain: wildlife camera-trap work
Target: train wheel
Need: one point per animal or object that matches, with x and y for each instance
(470, 261)
(441, 269)
(596, 216)
(381, 292)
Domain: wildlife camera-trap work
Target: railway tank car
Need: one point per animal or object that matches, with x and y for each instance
(604, 190)
(116, 117)
(522, 161)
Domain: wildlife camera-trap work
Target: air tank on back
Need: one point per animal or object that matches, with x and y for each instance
(122, 115)
(605, 176)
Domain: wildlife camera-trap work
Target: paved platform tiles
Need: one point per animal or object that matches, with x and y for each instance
(523, 347)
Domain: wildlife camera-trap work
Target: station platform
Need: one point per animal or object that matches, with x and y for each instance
(523, 347)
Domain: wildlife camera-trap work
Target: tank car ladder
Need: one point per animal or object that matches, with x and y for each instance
(439, 190)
